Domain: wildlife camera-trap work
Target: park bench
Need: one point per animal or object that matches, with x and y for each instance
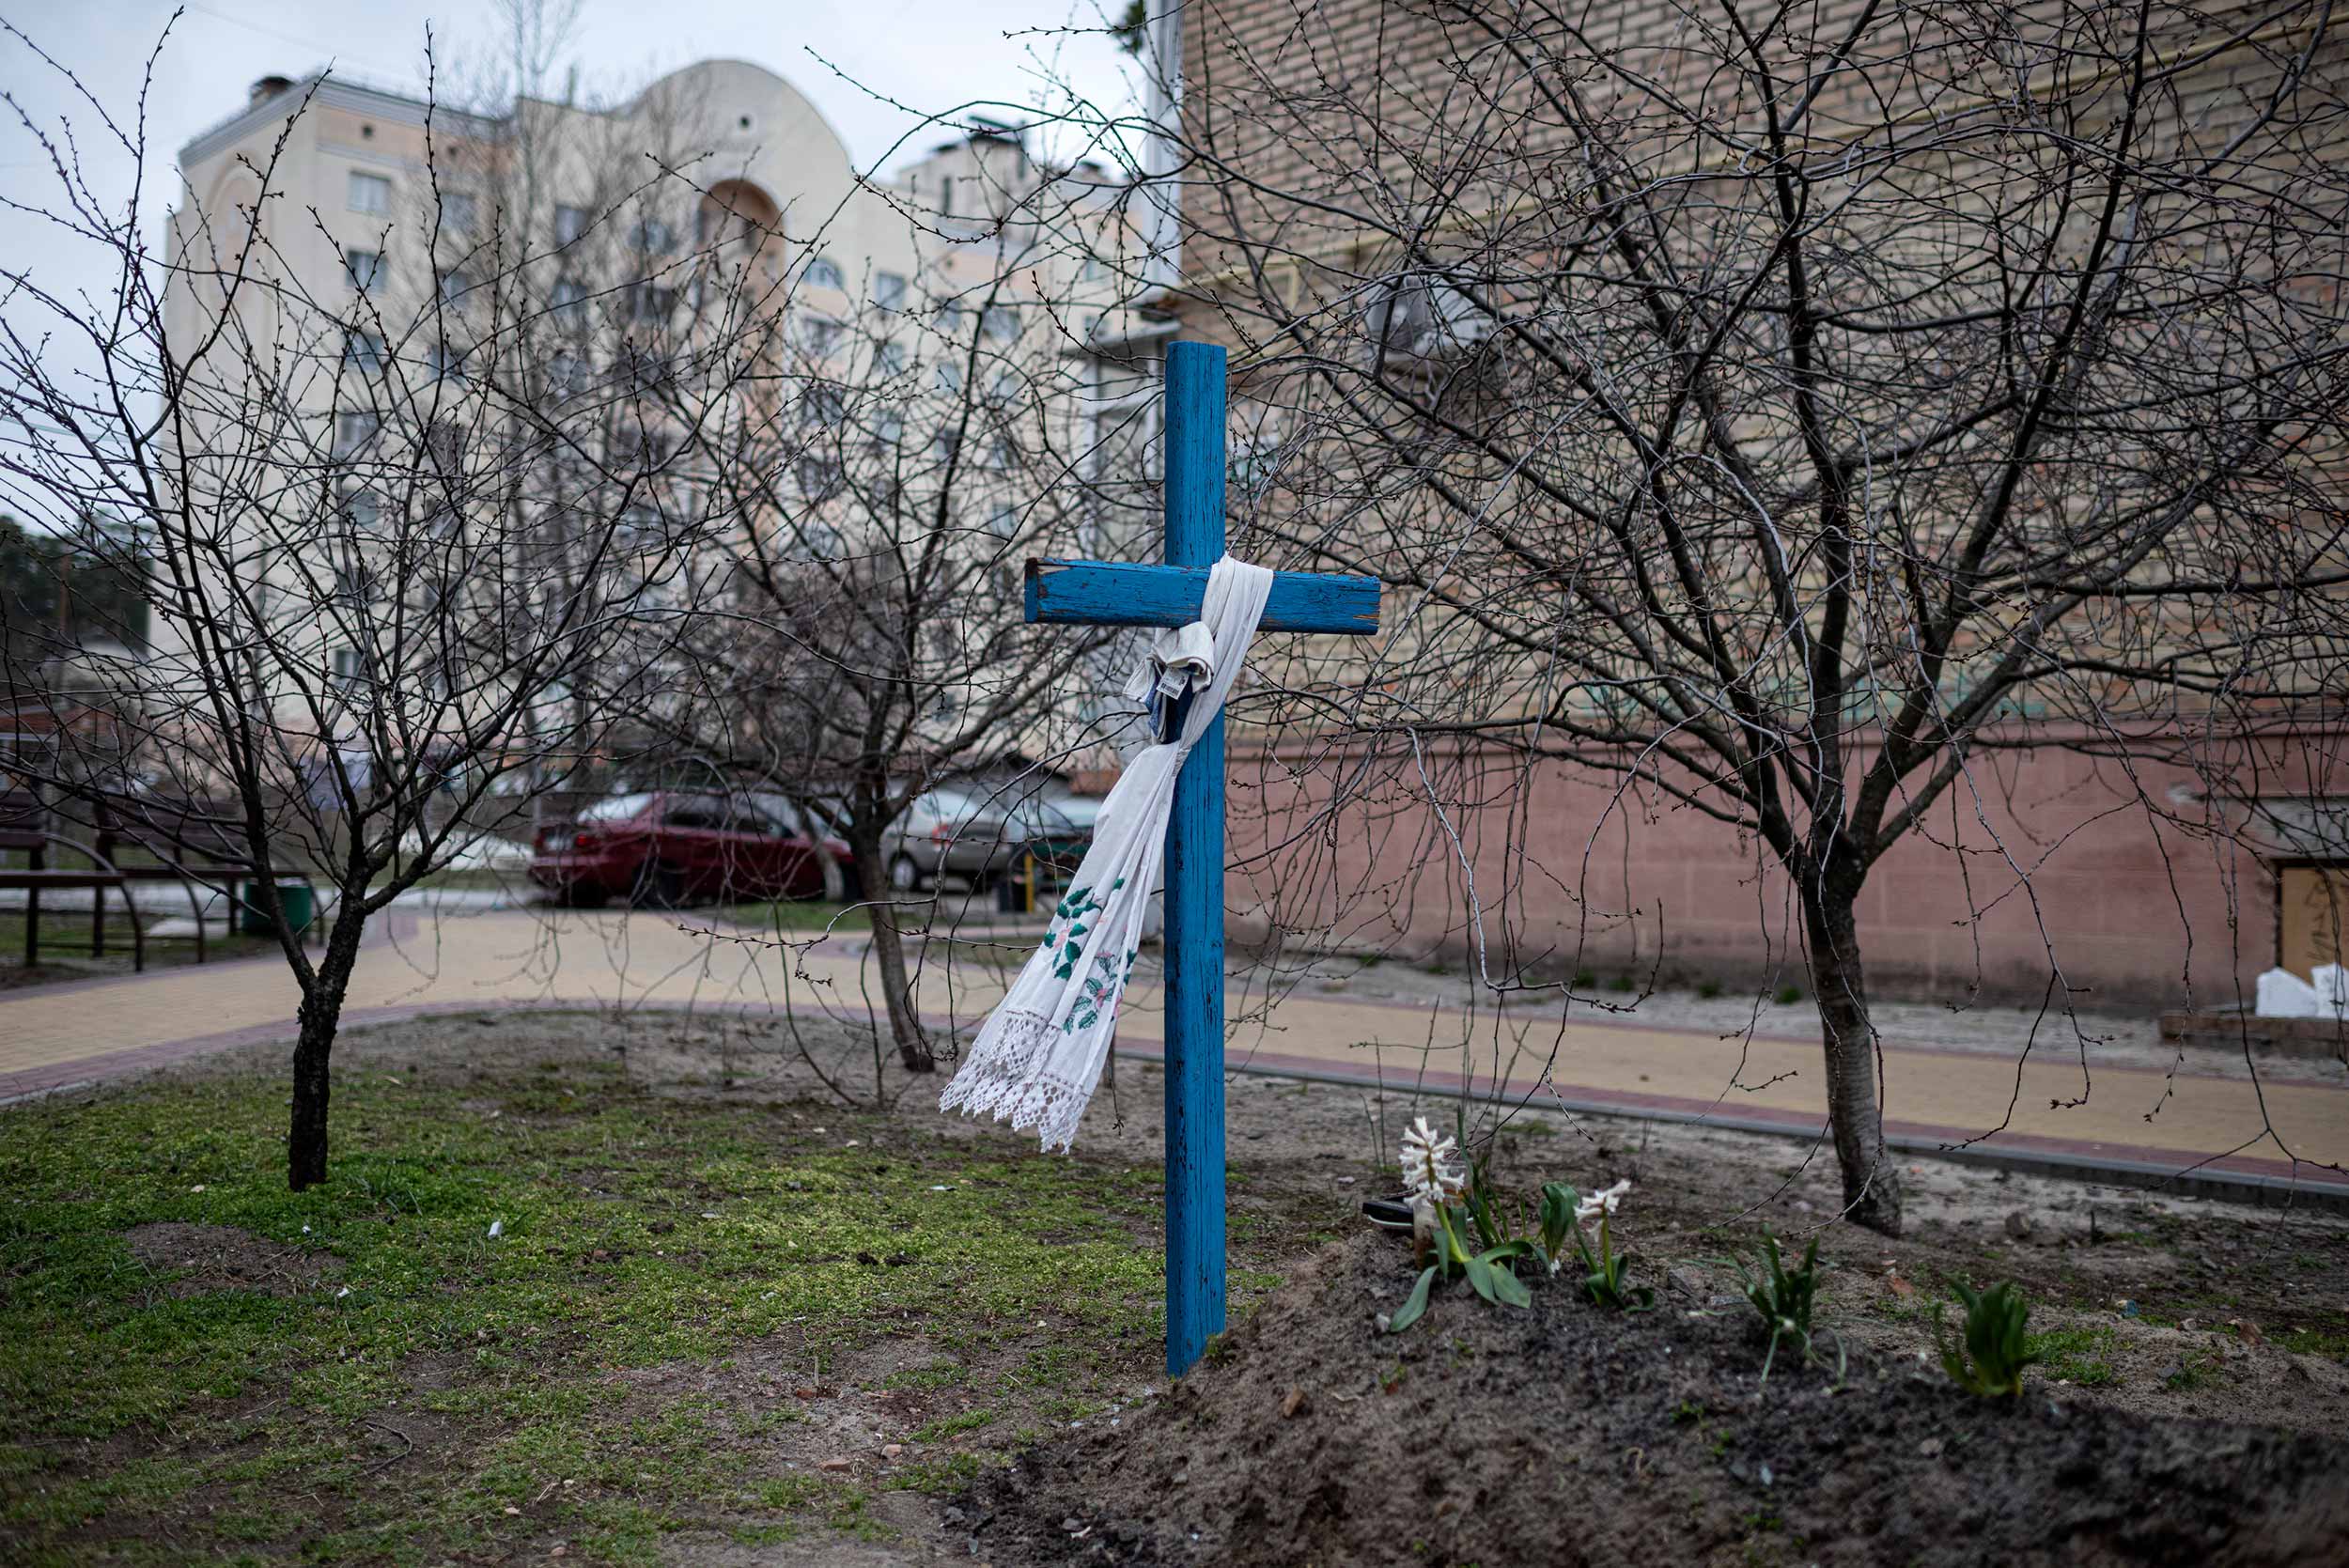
(188, 844)
(24, 829)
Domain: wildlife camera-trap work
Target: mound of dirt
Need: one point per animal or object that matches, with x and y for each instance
(1565, 1435)
(202, 1259)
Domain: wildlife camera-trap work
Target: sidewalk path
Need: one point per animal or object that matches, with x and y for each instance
(88, 1032)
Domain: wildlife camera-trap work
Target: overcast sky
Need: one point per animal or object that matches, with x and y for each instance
(929, 55)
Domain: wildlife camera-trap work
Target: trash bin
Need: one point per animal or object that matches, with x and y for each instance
(297, 899)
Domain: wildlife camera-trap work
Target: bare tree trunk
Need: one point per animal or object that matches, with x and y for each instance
(889, 949)
(322, 1011)
(1871, 1190)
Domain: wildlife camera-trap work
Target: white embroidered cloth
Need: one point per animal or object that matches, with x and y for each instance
(1038, 1056)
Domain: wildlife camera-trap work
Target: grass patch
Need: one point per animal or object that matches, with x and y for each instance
(2316, 1342)
(392, 1384)
(2194, 1368)
(2082, 1356)
(795, 914)
(967, 1421)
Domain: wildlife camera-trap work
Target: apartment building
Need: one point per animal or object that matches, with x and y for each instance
(1547, 320)
(646, 342)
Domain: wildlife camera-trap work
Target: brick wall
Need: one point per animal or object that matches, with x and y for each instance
(1339, 138)
(2127, 891)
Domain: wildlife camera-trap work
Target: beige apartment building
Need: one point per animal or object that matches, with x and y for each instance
(688, 311)
(1421, 232)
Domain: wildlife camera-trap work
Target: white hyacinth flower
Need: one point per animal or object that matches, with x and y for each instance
(1431, 1169)
(1601, 1204)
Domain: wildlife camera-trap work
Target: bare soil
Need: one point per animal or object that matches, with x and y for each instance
(1566, 1435)
(196, 1260)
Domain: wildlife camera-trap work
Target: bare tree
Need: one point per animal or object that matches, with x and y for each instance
(870, 647)
(1785, 412)
(416, 529)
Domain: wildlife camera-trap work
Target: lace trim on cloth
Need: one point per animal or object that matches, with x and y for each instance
(1007, 1078)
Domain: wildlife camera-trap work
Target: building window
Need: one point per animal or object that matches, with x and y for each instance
(650, 301)
(570, 225)
(445, 361)
(639, 528)
(364, 268)
(641, 366)
(353, 429)
(889, 290)
(638, 448)
(949, 376)
(1004, 521)
(352, 585)
(569, 299)
(826, 407)
(818, 476)
(566, 373)
(655, 238)
(455, 283)
(457, 212)
(347, 668)
(1094, 268)
(363, 351)
(824, 273)
(817, 335)
(1002, 387)
(999, 322)
(889, 428)
(445, 449)
(364, 510)
(950, 317)
(371, 193)
(890, 359)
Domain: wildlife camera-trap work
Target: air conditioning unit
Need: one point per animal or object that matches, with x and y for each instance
(1415, 315)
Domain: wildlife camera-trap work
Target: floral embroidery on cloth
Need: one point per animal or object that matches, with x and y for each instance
(1038, 1056)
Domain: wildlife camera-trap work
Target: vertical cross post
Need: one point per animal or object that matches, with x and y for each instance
(1173, 593)
(1194, 941)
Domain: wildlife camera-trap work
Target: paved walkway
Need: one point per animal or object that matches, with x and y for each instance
(88, 1032)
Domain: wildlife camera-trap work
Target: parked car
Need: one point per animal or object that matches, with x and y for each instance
(1049, 840)
(947, 833)
(1055, 833)
(669, 848)
(977, 835)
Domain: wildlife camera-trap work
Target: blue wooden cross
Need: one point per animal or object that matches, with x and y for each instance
(1104, 593)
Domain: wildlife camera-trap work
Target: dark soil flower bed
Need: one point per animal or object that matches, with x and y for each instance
(1565, 1435)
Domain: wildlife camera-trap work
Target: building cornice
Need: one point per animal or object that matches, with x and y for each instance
(332, 93)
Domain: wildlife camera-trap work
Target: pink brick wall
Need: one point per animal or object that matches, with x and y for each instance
(1574, 876)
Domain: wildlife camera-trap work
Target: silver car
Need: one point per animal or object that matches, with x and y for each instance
(976, 834)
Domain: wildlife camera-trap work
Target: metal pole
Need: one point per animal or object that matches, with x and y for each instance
(1195, 893)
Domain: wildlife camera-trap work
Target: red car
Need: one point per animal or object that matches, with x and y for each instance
(668, 848)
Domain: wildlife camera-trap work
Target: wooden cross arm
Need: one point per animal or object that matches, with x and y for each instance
(1122, 593)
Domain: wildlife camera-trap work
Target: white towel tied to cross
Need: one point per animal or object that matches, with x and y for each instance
(1038, 1056)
